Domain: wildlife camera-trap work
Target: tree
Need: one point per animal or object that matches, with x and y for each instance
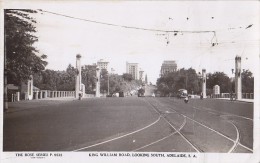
(181, 79)
(127, 77)
(221, 79)
(114, 83)
(56, 80)
(247, 82)
(22, 58)
(88, 73)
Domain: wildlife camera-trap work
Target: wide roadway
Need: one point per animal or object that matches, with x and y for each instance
(129, 124)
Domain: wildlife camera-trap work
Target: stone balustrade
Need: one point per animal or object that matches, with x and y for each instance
(52, 94)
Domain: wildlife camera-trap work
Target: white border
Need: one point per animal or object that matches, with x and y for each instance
(9, 157)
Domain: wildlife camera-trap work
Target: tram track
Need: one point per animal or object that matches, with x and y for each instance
(178, 131)
(236, 142)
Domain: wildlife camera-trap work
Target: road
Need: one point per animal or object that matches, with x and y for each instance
(129, 124)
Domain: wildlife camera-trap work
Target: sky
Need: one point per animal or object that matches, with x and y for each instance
(62, 38)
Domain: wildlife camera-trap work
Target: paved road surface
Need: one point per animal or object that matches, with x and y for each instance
(129, 124)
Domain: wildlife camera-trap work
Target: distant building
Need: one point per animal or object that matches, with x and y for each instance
(168, 66)
(102, 64)
(141, 75)
(146, 80)
(132, 68)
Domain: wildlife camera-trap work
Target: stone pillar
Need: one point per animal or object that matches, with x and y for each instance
(45, 94)
(17, 96)
(98, 82)
(238, 79)
(30, 88)
(204, 78)
(36, 95)
(83, 90)
(78, 76)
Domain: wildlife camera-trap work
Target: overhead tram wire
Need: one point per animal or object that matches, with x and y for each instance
(124, 26)
(214, 40)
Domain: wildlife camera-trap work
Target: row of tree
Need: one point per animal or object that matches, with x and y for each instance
(65, 80)
(188, 79)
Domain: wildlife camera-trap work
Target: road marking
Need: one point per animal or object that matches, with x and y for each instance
(209, 128)
(237, 139)
(220, 134)
(236, 129)
(217, 131)
(175, 128)
(119, 136)
(183, 124)
(245, 147)
(231, 115)
(224, 114)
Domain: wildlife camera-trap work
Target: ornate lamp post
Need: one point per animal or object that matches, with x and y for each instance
(203, 78)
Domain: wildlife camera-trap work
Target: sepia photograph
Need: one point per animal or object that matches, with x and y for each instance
(136, 81)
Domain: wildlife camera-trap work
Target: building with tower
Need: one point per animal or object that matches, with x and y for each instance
(168, 66)
(132, 68)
